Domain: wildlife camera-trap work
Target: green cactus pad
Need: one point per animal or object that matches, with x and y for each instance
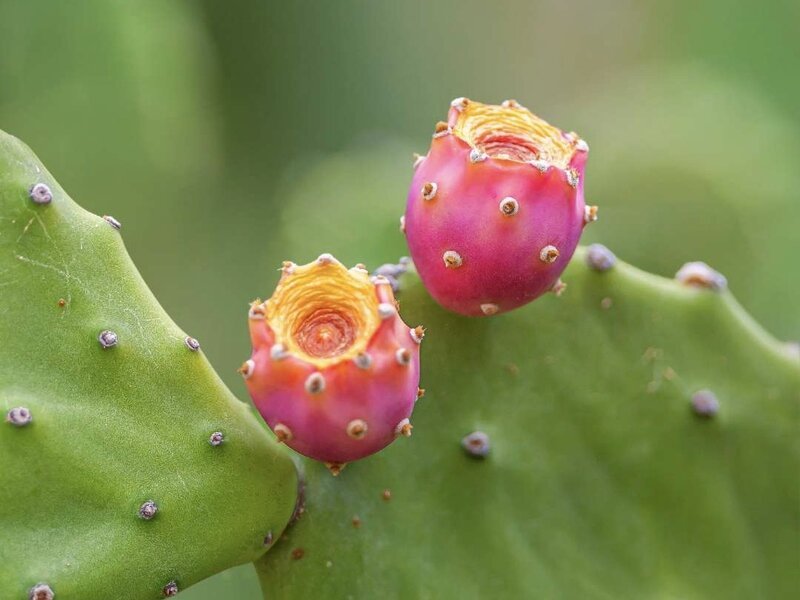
(114, 427)
(601, 480)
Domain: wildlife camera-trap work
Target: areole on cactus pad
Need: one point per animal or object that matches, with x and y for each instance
(334, 370)
(496, 208)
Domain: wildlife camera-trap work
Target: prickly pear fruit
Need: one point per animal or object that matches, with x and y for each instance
(334, 370)
(496, 208)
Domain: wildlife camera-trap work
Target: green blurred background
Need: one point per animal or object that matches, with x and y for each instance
(217, 132)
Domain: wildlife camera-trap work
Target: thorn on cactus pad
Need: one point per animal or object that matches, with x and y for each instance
(41, 591)
(170, 590)
(298, 553)
(403, 223)
(191, 343)
(476, 156)
(335, 467)
(572, 177)
(418, 158)
(548, 254)
(278, 352)
(590, 214)
(61, 302)
(441, 129)
(699, 274)
(288, 267)
(606, 303)
(357, 429)
(107, 338)
(509, 206)
(476, 444)
(247, 368)
(356, 521)
(600, 258)
(452, 259)
(403, 428)
(705, 403)
(19, 416)
(216, 438)
(581, 145)
(558, 288)
(403, 357)
(510, 103)
(315, 383)
(489, 309)
(386, 310)
(41, 194)
(429, 190)
(420, 393)
(541, 165)
(417, 333)
(460, 103)
(283, 433)
(386, 494)
(148, 510)
(112, 221)
(363, 360)
(268, 539)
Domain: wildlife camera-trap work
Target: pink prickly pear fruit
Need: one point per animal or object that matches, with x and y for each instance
(496, 208)
(334, 370)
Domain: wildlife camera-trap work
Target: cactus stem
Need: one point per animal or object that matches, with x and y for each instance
(386, 310)
(476, 156)
(335, 467)
(386, 494)
(315, 383)
(404, 428)
(19, 416)
(256, 312)
(429, 190)
(460, 103)
(357, 429)
(191, 343)
(489, 308)
(107, 338)
(148, 510)
(41, 591)
(41, 194)
(509, 206)
(420, 392)
(113, 222)
(699, 274)
(590, 214)
(418, 158)
(600, 258)
(541, 165)
(705, 404)
(363, 360)
(283, 433)
(558, 287)
(247, 368)
(417, 334)
(572, 177)
(216, 438)
(452, 259)
(548, 254)
(476, 444)
(402, 223)
(403, 357)
(170, 590)
(278, 352)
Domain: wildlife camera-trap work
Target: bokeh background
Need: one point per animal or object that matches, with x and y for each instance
(223, 133)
